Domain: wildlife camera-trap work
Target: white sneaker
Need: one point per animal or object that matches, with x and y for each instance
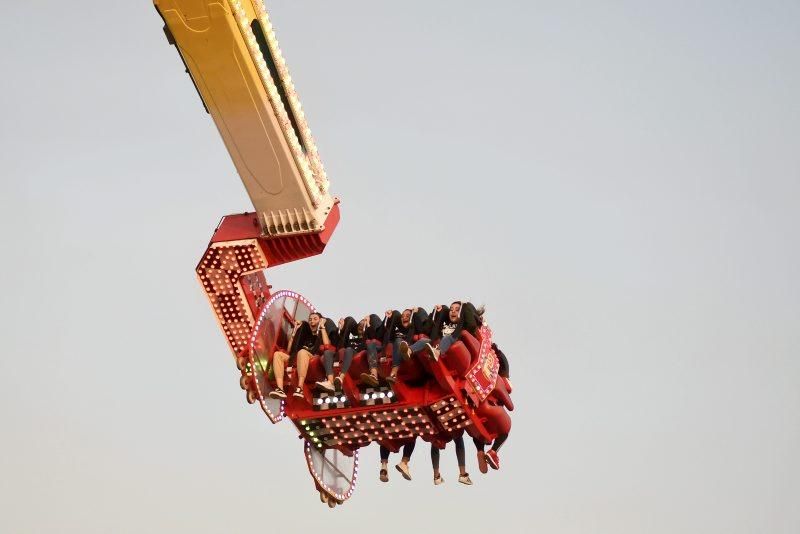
(464, 479)
(438, 480)
(404, 470)
(432, 351)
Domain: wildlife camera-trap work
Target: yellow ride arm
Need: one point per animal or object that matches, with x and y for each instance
(232, 55)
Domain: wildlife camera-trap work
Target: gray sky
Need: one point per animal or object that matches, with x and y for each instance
(617, 182)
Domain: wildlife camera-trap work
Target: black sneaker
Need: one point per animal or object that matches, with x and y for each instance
(277, 393)
(299, 393)
(337, 381)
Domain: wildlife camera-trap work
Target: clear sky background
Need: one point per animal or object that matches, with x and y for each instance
(617, 181)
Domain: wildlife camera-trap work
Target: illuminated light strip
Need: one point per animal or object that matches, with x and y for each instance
(309, 163)
(331, 491)
(485, 349)
(261, 317)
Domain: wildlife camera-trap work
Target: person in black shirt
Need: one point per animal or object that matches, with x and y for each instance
(461, 316)
(424, 325)
(399, 329)
(371, 329)
(304, 343)
(350, 341)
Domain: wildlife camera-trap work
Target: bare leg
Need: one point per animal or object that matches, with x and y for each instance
(279, 360)
(303, 357)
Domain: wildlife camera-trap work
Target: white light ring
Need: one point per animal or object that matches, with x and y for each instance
(261, 317)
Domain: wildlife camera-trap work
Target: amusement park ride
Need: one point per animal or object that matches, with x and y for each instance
(230, 52)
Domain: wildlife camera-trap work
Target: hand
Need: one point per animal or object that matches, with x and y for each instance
(438, 307)
(388, 313)
(414, 309)
(297, 324)
(341, 323)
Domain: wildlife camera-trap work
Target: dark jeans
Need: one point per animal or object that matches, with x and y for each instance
(397, 359)
(419, 345)
(498, 442)
(408, 450)
(445, 343)
(345, 356)
(460, 454)
(372, 354)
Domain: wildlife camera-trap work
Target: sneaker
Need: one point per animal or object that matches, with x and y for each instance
(338, 381)
(438, 480)
(464, 479)
(384, 475)
(432, 351)
(369, 379)
(277, 393)
(324, 385)
(299, 393)
(492, 459)
(482, 466)
(404, 351)
(403, 468)
(391, 379)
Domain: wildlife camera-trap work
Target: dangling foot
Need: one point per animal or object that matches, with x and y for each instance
(432, 351)
(493, 459)
(404, 351)
(403, 468)
(464, 479)
(324, 385)
(298, 392)
(277, 393)
(438, 480)
(384, 475)
(391, 379)
(338, 381)
(369, 379)
(482, 466)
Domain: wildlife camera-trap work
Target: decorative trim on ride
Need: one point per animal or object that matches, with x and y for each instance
(482, 376)
(332, 491)
(305, 152)
(451, 414)
(372, 396)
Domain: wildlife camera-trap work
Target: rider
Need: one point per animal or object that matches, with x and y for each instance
(408, 450)
(424, 325)
(372, 329)
(491, 458)
(399, 329)
(460, 317)
(463, 476)
(350, 341)
(305, 341)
